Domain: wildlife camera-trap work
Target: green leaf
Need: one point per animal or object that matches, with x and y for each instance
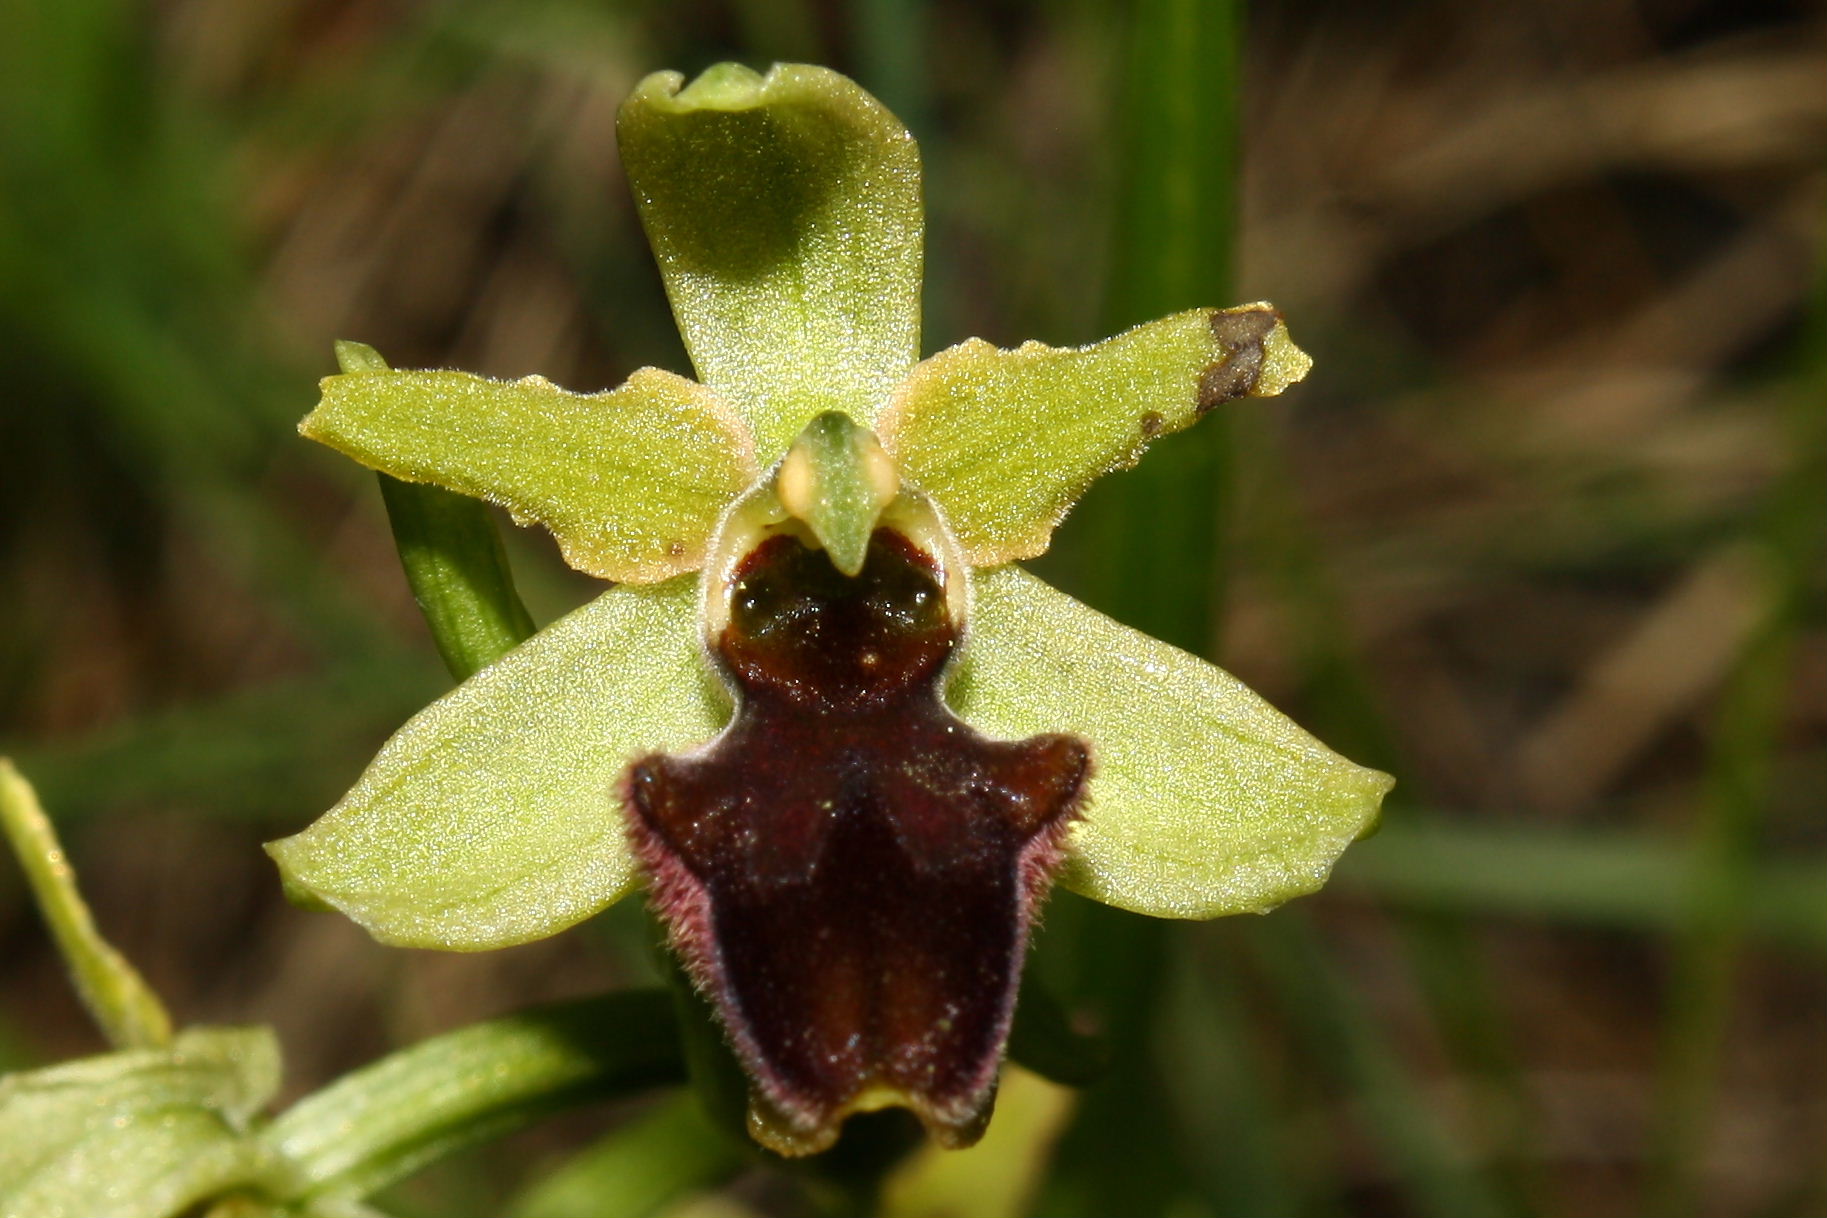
(631, 482)
(784, 212)
(148, 1165)
(118, 998)
(494, 815)
(1204, 799)
(639, 1169)
(56, 1124)
(1007, 441)
(387, 1120)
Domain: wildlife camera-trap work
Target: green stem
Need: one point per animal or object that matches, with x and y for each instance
(1157, 533)
(118, 998)
(458, 570)
(453, 558)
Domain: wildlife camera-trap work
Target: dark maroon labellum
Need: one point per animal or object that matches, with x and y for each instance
(849, 870)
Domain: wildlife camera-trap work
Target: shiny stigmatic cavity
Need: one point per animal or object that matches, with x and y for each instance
(849, 870)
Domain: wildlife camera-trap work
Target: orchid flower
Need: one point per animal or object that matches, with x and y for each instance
(847, 742)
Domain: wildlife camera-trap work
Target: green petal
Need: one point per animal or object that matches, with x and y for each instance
(785, 214)
(1205, 800)
(494, 816)
(1007, 441)
(630, 481)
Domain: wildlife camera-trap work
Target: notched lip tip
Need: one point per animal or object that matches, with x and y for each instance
(771, 1125)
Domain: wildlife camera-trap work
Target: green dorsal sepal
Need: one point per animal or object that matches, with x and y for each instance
(836, 479)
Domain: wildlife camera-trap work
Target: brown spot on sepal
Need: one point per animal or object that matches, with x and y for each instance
(850, 872)
(1151, 422)
(1240, 335)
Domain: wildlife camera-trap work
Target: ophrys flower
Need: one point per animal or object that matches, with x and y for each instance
(899, 738)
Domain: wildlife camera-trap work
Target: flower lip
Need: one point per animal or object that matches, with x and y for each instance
(849, 870)
(820, 638)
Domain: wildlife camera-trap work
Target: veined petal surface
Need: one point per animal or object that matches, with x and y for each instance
(1204, 799)
(1007, 441)
(785, 215)
(494, 816)
(631, 481)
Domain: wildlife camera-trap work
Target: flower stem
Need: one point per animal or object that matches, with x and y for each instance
(453, 558)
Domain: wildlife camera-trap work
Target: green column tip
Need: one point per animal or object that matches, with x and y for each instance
(837, 478)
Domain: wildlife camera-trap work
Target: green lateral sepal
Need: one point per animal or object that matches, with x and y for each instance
(1204, 799)
(494, 816)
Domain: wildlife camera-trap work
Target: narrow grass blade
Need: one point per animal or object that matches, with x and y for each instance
(122, 1004)
(1627, 881)
(1341, 1036)
(1156, 534)
(1151, 541)
(1721, 882)
(226, 757)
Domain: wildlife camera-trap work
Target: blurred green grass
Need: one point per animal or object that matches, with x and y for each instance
(1542, 536)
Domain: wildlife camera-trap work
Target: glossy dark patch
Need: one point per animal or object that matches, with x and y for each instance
(849, 870)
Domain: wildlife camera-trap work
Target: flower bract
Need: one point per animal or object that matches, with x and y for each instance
(848, 741)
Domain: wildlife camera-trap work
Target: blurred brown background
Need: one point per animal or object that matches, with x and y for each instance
(1541, 535)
